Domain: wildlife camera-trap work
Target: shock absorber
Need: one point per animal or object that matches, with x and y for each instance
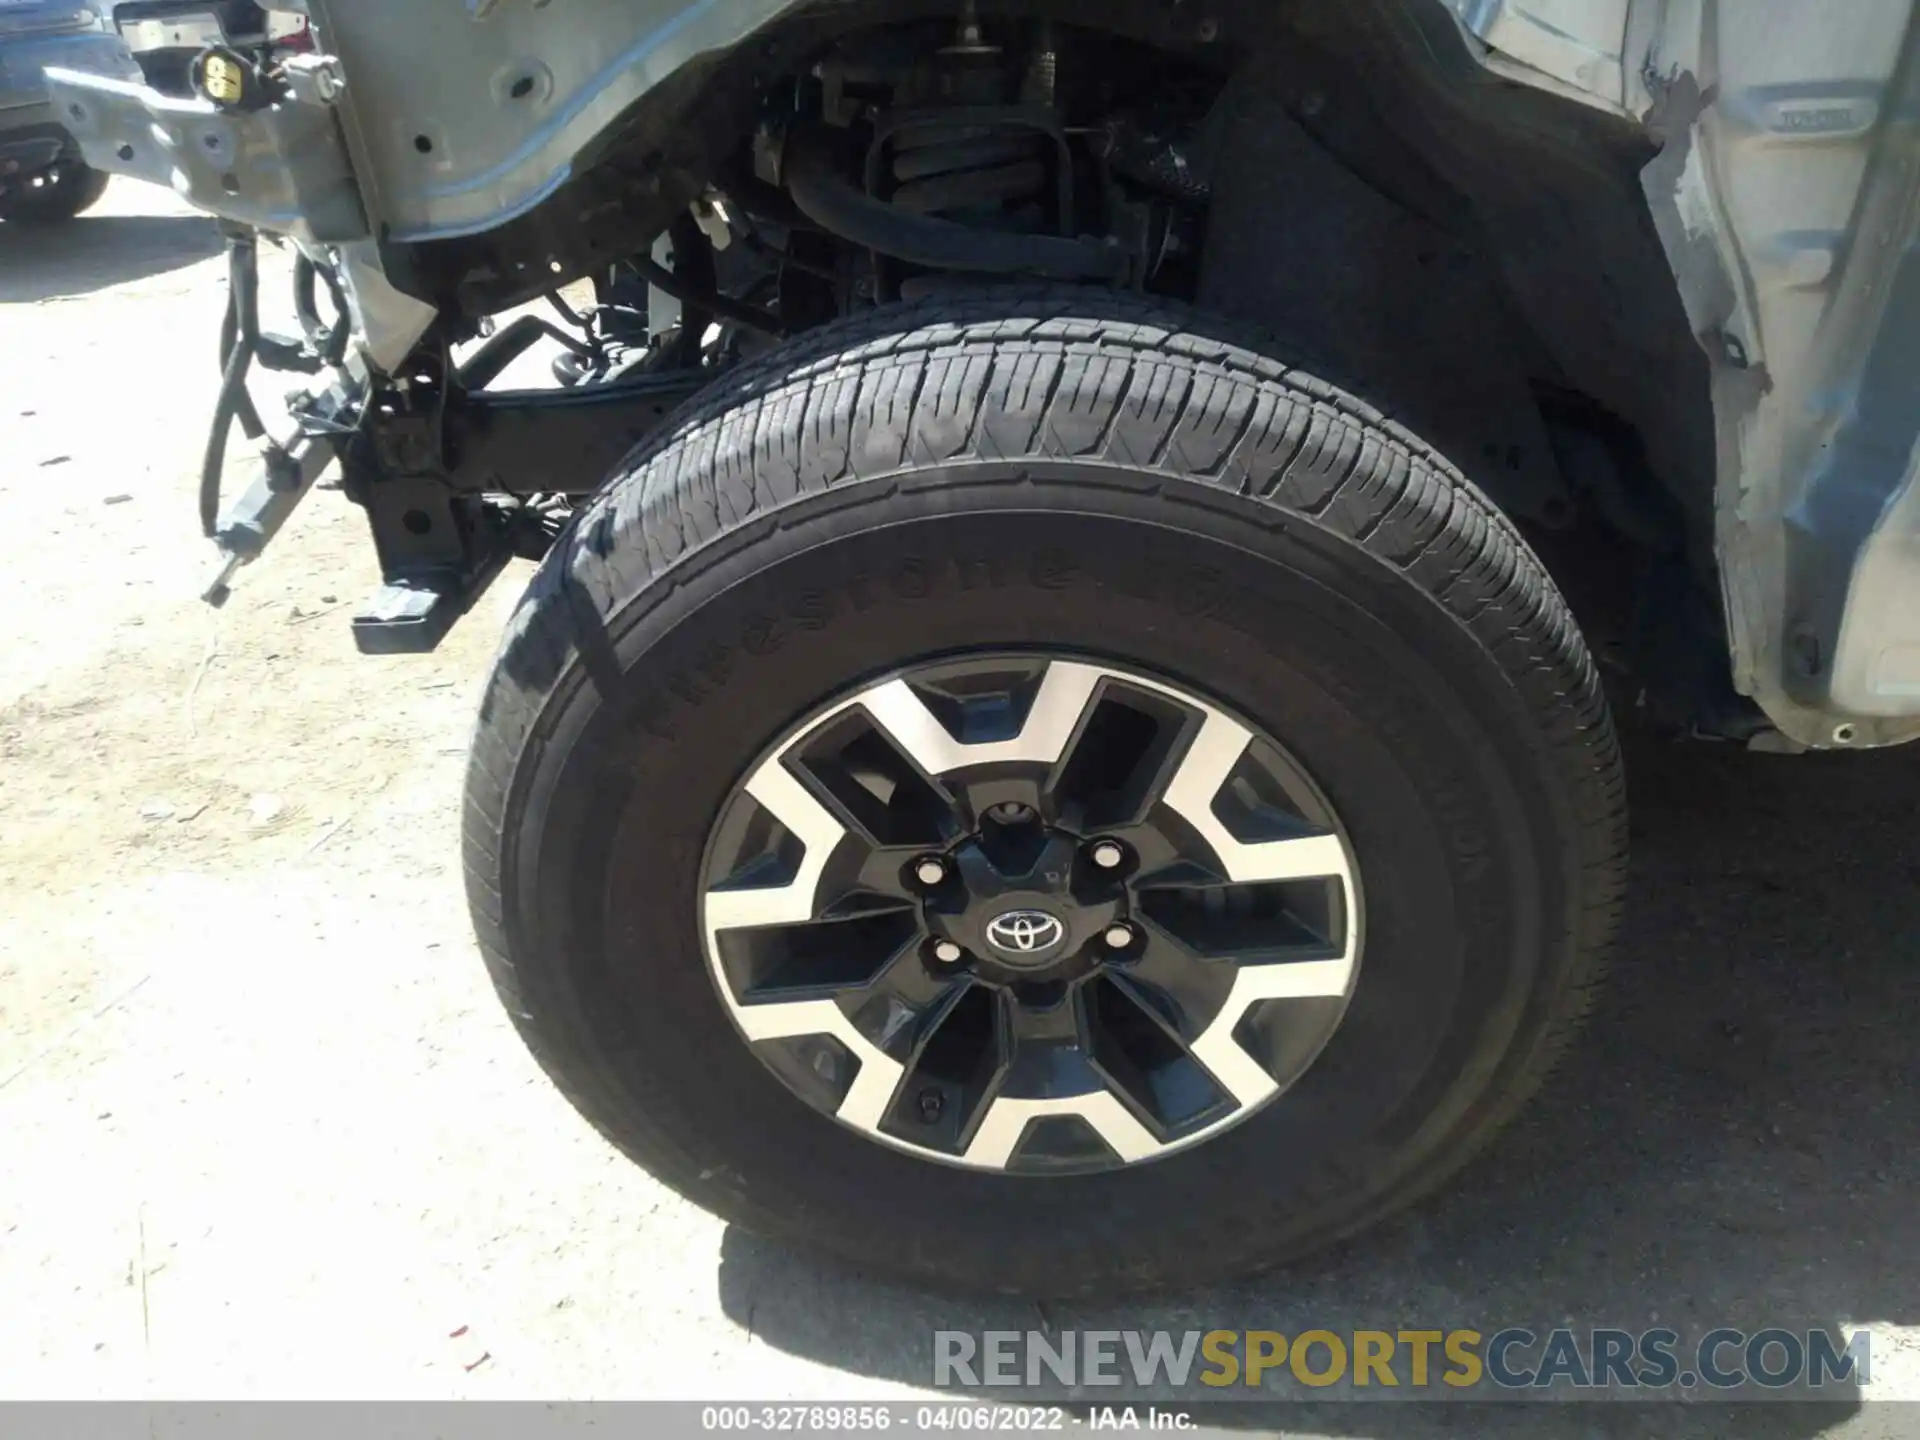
(969, 155)
(970, 172)
(971, 158)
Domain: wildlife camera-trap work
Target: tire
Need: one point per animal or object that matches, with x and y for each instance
(1115, 478)
(76, 187)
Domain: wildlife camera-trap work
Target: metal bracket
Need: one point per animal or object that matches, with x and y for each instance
(283, 168)
(440, 471)
(438, 554)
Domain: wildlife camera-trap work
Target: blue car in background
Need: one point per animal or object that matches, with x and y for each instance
(43, 178)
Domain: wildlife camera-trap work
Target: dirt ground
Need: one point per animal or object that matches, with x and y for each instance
(265, 1132)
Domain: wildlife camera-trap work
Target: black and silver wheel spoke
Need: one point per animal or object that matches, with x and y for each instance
(1049, 1076)
(976, 747)
(1182, 981)
(1031, 915)
(789, 902)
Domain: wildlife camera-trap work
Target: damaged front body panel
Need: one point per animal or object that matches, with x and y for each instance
(1787, 196)
(1641, 267)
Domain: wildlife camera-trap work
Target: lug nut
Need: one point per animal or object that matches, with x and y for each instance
(948, 953)
(1119, 937)
(1011, 813)
(1108, 855)
(930, 871)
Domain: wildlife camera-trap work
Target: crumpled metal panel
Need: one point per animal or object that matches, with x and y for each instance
(1789, 201)
(467, 113)
(1580, 43)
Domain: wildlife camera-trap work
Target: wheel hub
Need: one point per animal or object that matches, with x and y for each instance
(1024, 904)
(1030, 913)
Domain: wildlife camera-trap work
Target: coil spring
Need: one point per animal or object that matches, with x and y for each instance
(990, 175)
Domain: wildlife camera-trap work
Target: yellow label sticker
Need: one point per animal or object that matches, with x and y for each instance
(223, 80)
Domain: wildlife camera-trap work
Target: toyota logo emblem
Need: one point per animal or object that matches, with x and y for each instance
(1025, 932)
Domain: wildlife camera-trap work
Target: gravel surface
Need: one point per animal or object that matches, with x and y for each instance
(267, 1133)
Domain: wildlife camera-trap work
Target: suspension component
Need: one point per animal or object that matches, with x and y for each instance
(814, 176)
(967, 166)
(982, 166)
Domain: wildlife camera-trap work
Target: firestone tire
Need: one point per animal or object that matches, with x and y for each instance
(1084, 473)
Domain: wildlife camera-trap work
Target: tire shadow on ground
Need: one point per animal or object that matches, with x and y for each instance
(1733, 1142)
(93, 252)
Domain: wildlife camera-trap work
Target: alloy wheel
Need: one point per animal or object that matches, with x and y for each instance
(1032, 913)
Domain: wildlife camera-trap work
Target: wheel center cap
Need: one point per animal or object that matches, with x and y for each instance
(1024, 916)
(1025, 937)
